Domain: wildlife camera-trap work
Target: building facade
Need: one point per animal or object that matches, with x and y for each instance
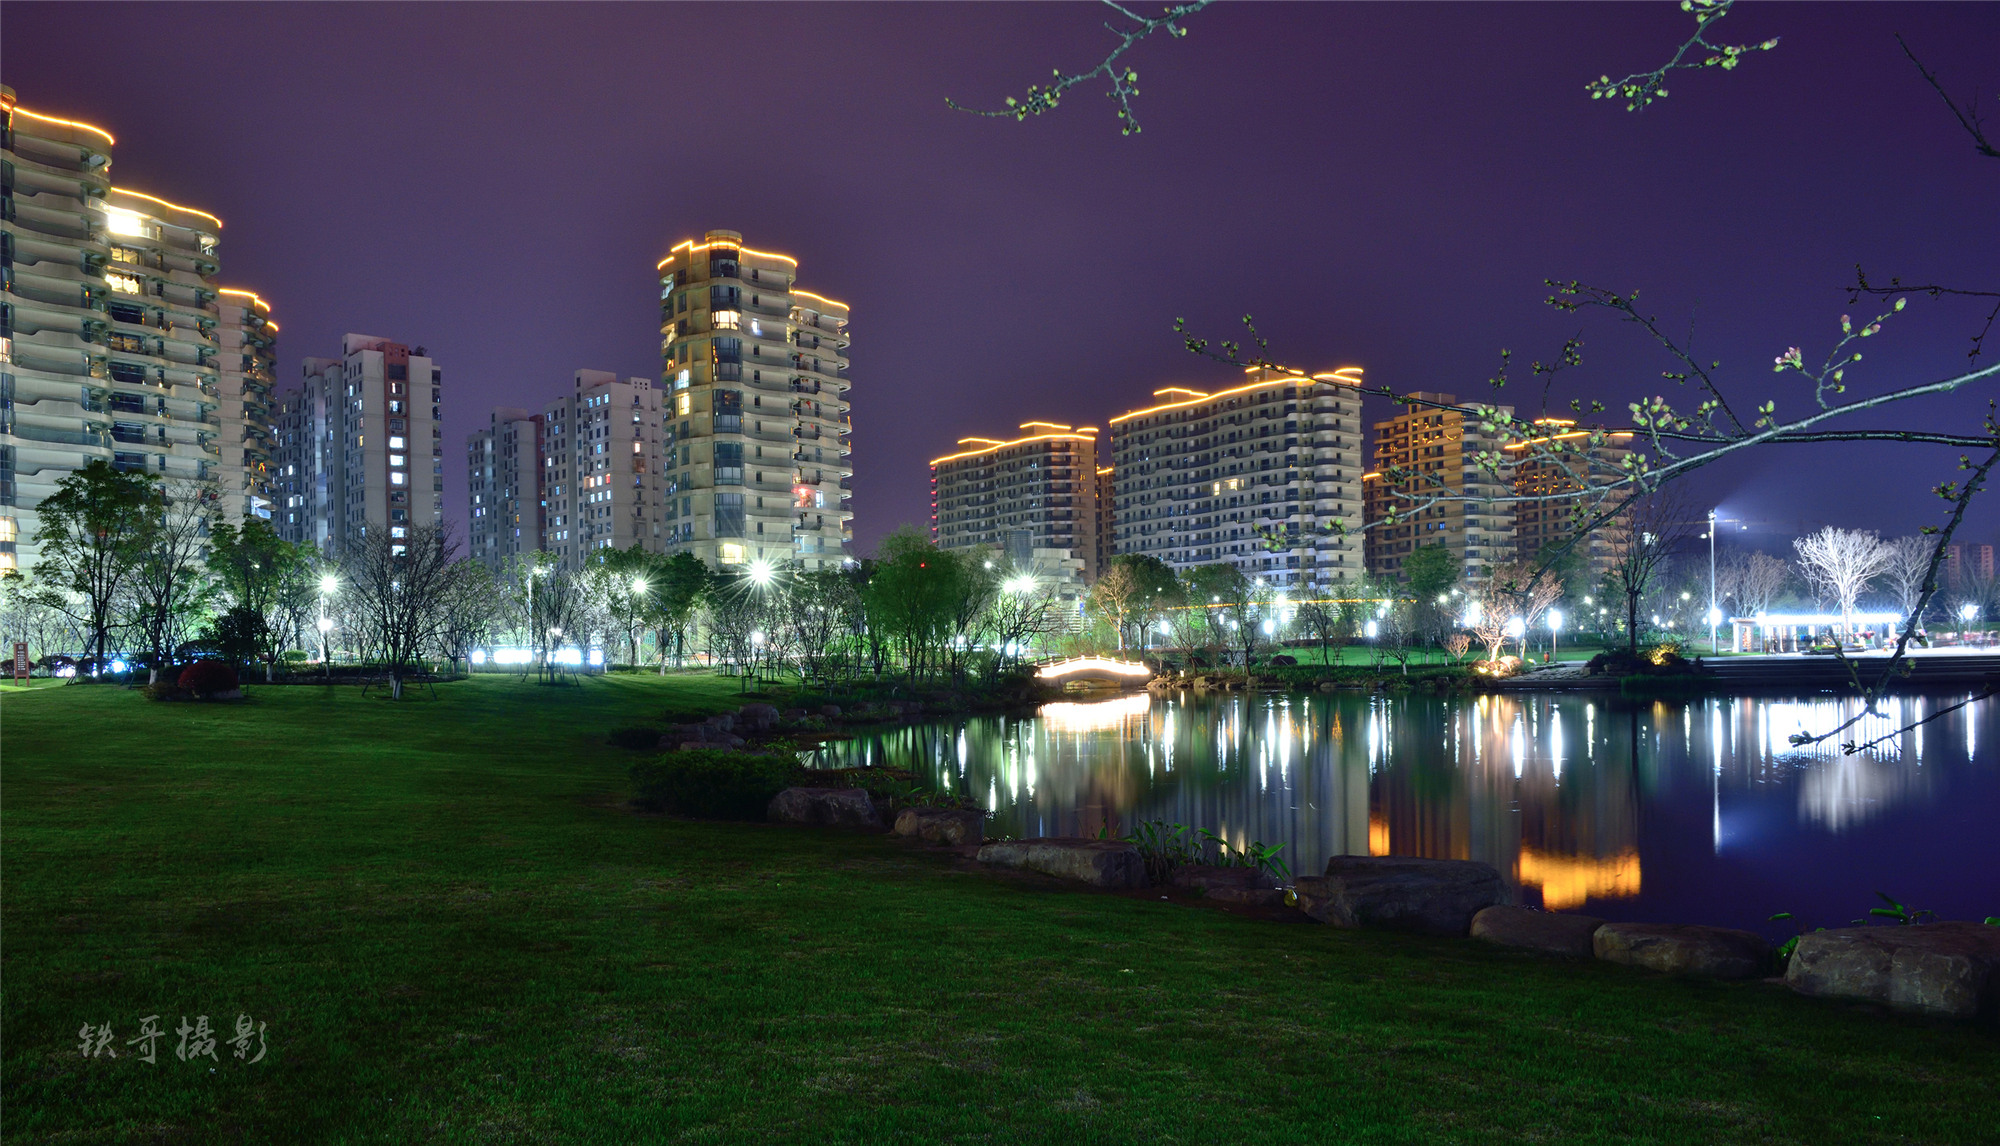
(1541, 525)
(361, 446)
(605, 480)
(247, 365)
(1966, 565)
(1426, 452)
(506, 466)
(115, 343)
(755, 383)
(1265, 475)
(1034, 492)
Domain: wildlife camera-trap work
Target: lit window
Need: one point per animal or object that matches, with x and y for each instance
(683, 403)
(395, 443)
(124, 283)
(396, 460)
(398, 550)
(123, 222)
(726, 320)
(398, 531)
(732, 554)
(396, 479)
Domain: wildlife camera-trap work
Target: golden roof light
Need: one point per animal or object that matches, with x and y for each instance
(1336, 376)
(252, 295)
(19, 110)
(164, 203)
(993, 445)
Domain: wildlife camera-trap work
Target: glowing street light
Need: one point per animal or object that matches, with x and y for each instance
(638, 586)
(328, 584)
(1021, 585)
(1370, 630)
(1555, 628)
(761, 572)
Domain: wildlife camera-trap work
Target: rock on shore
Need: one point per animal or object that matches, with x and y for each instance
(1546, 931)
(1402, 893)
(1684, 949)
(826, 808)
(1946, 969)
(1099, 863)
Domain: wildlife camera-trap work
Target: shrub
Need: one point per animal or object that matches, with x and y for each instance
(1667, 652)
(1504, 667)
(206, 678)
(638, 739)
(713, 785)
(164, 690)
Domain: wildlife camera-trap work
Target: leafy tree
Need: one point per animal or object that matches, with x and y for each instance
(262, 573)
(1239, 607)
(1330, 623)
(678, 584)
(95, 528)
(1430, 572)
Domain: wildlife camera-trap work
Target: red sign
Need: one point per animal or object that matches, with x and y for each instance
(20, 660)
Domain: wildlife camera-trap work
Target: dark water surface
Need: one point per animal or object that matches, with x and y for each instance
(1695, 812)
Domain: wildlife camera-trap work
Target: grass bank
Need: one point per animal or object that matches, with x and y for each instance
(454, 928)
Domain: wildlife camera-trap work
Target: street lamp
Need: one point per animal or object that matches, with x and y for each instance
(327, 584)
(760, 572)
(1555, 627)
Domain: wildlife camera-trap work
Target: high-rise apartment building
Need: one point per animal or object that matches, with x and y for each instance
(1256, 475)
(1437, 453)
(506, 464)
(108, 329)
(1541, 524)
(1105, 544)
(247, 364)
(755, 374)
(1966, 565)
(1037, 491)
(361, 446)
(605, 475)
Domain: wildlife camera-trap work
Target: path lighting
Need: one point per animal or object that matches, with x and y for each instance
(1471, 614)
(1968, 612)
(1370, 629)
(1555, 627)
(327, 584)
(1270, 626)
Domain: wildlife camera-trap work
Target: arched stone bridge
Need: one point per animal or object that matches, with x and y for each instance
(1094, 670)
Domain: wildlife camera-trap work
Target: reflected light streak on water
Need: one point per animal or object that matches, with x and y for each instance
(1805, 826)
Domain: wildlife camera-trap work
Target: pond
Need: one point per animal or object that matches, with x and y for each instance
(1686, 812)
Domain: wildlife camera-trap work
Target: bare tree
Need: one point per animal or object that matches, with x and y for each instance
(471, 608)
(1841, 563)
(397, 590)
(1909, 563)
(1753, 580)
(169, 588)
(1656, 526)
(1021, 612)
(1330, 623)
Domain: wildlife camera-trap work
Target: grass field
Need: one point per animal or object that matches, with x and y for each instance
(455, 929)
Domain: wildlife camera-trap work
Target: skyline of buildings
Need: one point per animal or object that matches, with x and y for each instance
(1437, 451)
(1035, 492)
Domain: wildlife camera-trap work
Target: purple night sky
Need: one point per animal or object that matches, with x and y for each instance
(1383, 185)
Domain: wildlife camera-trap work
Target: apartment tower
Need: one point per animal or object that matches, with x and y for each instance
(755, 370)
(1567, 458)
(247, 365)
(1426, 452)
(604, 480)
(109, 344)
(1034, 492)
(361, 446)
(505, 468)
(1264, 476)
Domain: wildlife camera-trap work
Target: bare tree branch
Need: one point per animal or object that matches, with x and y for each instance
(1967, 116)
(1124, 81)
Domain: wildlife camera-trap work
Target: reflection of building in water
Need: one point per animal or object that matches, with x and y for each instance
(1566, 881)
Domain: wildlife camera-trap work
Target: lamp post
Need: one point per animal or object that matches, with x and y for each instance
(1555, 627)
(327, 585)
(638, 591)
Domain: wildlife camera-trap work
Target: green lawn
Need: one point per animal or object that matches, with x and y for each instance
(454, 928)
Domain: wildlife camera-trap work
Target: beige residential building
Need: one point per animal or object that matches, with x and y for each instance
(361, 445)
(115, 343)
(1427, 452)
(1540, 524)
(754, 383)
(246, 374)
(1034, 492)
(1265, 476)
(604, 481)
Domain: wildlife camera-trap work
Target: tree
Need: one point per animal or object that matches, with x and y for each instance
(26, 618)
(620, 587)
(1022, 611)
(678, 585)
(1430, 571)
(814, 619)
(169, 589)
(471, 607)
(1909, 566)
(95, 527)
(1113, 596)
(1655, 526)
(1840, 563)
(396, 593)
(1754, 581)
(733, 610)
(1330, 623)
(261, 574)
(1239, 607)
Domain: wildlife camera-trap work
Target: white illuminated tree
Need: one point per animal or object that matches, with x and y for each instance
(1840, 563)
(1908, 570)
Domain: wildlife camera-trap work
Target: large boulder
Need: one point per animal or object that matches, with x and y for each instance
(1230, 884)
(756, 718)
(1948, 969)
(1684, 949)
(1402, 893)
(1545, 931)
(951, 826)
(1099, 863)
(826, 808)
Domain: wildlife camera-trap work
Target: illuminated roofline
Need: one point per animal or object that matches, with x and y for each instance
(19, 110)
(1333, 376)
(821, 297)
(165, 203)
(249, 294)
(1004, 445)
(692, 247)
(1609, 434)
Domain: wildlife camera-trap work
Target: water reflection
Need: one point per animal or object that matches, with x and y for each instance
(1677, 810)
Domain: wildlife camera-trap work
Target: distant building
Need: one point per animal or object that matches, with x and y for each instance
(1034, 493)
(1966, 563)
(1436, 453)
(1539, 525)
(1105, 545)
(361, 445)
(605, 468)
(246, 370)
(1203, 478)
(506, 467)
(754, 376)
